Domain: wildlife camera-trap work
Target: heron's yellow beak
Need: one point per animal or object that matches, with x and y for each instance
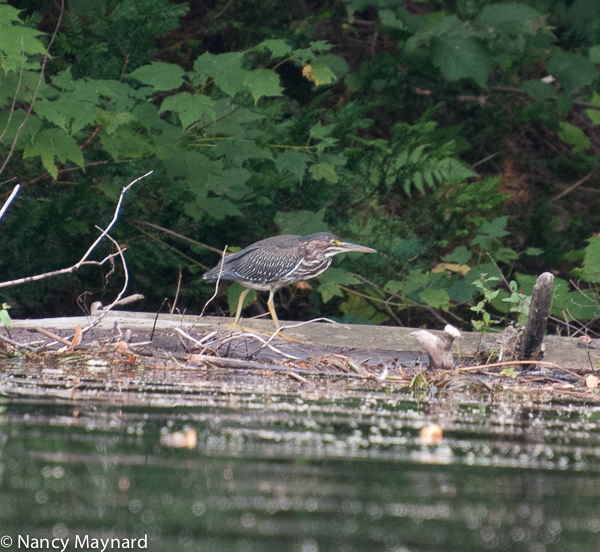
(347, 246)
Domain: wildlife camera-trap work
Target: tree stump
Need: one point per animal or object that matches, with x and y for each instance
(530, 345)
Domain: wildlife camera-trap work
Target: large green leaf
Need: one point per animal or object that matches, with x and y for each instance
(20, 86)
(321, 74)
(410, 247)
(292, 161)
(190, 108)
(278, 47)
(572, 134)
(538, 90)
(126, 142)
(572, 70)
(262, 82)
(459, 54)
(577, 305)
(490, 270)
(225, 69)
(215, 207)
(231, 182)
(68, 112)
(337, 64)
(17, 41)
(460, 255)
(591, 261)
(11, 122)
(490, 232)
(459, 291)
(329, 290)
(509, 18)
(324, 171)
(594, 54)
(111, 120)
(301, 223)
(54, 143)
(339, 276)
(436, 298)
(162, 76)
(238, 152)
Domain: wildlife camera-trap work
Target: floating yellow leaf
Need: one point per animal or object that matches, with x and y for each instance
(431, 434)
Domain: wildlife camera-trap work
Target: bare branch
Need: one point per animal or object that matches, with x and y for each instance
(83, 260)
(572, 187)
(112, 222)
(16, 344)
(38, 277)
(9, 200)
(177, 292)
(98, 306)
(175, 234)
(108, 308)
(218, 280)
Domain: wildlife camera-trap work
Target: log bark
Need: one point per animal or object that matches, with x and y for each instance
(530, 346)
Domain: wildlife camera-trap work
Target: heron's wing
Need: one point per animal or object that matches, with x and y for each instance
(255, 264)
(228, 272)
(266, 266)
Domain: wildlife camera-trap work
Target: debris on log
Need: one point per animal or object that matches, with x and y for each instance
(438, 348)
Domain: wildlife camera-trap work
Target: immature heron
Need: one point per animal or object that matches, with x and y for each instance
(270, 264)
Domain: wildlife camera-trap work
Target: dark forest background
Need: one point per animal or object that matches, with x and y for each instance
(460, 138)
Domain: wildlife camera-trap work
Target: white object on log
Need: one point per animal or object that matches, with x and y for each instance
(438, 348)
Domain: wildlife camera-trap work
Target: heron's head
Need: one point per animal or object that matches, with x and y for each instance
(325, 244)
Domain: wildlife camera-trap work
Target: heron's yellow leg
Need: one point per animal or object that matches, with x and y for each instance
(271, 306)
(240, 305)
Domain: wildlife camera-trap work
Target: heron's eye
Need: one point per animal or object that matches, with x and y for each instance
(332, 242)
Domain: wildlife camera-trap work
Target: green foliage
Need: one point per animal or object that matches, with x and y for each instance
(469, 49)
(419, 382)
(254, 127)
(490, 233)
(53, 143)
(482, 285)
(18, 43)
(101, 39)
(4, 316)
(572, 70)
(410, 159)
(160, 76)
(591, 261)
(333, 279)
(573, 135)
(520, 301)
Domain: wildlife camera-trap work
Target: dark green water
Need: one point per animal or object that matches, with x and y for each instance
(339, 470)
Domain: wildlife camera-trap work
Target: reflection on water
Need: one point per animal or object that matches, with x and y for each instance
(278, 472)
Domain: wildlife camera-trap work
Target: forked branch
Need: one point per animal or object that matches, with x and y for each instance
(83, 260)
